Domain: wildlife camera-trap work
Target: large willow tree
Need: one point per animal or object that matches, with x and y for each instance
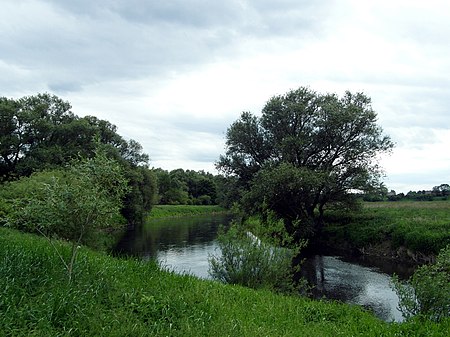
(307, 151)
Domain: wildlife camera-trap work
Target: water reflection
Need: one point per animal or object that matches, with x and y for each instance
(179, 244)
(352, 283)
(192, 260)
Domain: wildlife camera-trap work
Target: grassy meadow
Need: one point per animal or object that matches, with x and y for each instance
(165, 211)
(116, 297)
(419, 226)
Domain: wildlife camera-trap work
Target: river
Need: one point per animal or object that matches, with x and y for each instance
(184, 244)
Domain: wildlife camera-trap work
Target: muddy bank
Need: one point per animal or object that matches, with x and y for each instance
(384, 250)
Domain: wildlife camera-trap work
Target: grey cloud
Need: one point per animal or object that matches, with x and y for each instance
(202, 14)
(423, 108)
(61, 87)
(106, 47)
(95, 41)
(217, 126)
(291, 17)
(411, 137)
(194, 13)
(198, 142)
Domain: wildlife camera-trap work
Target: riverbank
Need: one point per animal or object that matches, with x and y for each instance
(117, 297)
(166, 211)
(405, 230)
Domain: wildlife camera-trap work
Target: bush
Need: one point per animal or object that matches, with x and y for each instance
(427, 293)
(247, 261)
(74, 205)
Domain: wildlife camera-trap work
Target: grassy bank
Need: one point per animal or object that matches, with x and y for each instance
(112, 297)
(418, 226)
(165, 211)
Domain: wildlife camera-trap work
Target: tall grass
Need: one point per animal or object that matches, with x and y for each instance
(113, 297)
(419, 226)
(164, 211)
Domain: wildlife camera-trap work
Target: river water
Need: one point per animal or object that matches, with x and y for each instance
(184, 244)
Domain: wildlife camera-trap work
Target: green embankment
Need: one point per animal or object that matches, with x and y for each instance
(165, 211)
(114, 297)
(419, 226)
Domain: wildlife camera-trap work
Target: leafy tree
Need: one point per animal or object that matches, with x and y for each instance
(141, 195)
(28, 127)
(172, 189)
(202, 187)
(186, 187)
(377, 193)
(73, 204)
(41, 133)
(442, 190)
(229, 191)
(306, 151)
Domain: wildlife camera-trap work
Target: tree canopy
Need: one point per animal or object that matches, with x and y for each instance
(42, 133)
(306, 151)
(187, 187)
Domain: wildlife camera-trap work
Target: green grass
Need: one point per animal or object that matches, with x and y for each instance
(164, 211)
(113, 297)
(421, 226)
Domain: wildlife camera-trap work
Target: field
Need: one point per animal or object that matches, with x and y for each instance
(164, 211)
(114, 297)
(418, 226)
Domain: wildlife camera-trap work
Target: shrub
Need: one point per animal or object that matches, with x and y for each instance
(427, 292)
(247, 261)
(73, 204)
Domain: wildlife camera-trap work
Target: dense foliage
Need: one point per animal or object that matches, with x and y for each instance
(74, 204)
(42, 133)
(306, 151)
(180, 187)
(427, 293)
(246, 260)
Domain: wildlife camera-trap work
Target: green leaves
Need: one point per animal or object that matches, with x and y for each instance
(306, 151)
(73, 204)
(247, 261)
(427, 293)
(41, 132)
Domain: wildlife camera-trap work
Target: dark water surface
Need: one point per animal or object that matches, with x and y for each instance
(359, 281)
(184, 244)
(181, 244)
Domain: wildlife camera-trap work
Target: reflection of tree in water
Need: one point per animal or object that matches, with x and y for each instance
(351, 283)
(333, 278)
(162, 234)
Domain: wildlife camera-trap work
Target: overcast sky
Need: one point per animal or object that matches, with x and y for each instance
(173, 75)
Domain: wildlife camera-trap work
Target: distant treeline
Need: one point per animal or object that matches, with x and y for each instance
(440, 192)
(188, 187)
